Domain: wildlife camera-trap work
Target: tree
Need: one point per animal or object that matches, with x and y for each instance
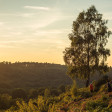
(47, 92)
(88, 52)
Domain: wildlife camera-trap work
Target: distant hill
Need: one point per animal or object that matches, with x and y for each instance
(32, 75)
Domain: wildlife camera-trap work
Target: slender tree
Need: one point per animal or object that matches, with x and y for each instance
(88, 52)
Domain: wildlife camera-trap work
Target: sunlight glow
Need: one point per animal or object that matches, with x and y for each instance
(37, 30)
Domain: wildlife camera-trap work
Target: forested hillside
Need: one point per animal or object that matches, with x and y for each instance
(29, 80)
(32, 75)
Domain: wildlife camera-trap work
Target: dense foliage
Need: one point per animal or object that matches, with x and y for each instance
(73, 99)
(88, 52)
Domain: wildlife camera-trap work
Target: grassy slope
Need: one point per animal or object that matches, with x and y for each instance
(76, 100)
(100, 101)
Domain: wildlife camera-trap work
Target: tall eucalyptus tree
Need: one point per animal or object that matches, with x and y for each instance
(87, 52)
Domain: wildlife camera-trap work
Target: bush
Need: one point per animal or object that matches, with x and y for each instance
(47, 92)
(103, 88)
(19, 93)
(33, 93)
(104, 98)
(5, 101)
(85, 94)
(99, 105)
(100, 82)
(61, 88)
(54, 92)
(41, 104)
(74, 90)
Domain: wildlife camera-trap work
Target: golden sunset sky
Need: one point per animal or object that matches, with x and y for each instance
(37, 30)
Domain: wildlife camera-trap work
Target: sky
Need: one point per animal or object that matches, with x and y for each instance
(37, 30)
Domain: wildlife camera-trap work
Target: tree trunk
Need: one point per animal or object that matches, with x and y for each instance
(87, 81)
(88, 66)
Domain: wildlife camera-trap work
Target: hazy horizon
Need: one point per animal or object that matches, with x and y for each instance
(37, 30)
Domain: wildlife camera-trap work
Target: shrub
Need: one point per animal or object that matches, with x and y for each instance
(100, 82)
(98, 105)
(104, 98)
(47, 92)
(61, 88)
(54, 92)
(103, 88)
(33, 93)
(74, 90)
(84, 93)
(5, 101)
(19, 93)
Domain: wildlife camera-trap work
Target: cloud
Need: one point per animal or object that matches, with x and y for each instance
(37, 8)
(27, 14)
(44, 22)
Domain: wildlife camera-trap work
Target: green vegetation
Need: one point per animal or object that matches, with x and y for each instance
(70, 100)
(27, 99)
(44, 87)
(87, 52)
(32, 75)
(22, 81)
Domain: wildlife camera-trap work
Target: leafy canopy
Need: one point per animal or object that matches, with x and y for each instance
(88, 51)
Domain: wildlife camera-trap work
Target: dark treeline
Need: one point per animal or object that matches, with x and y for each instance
(32, 75)
(27, 80)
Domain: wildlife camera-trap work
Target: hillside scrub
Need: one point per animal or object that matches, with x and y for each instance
(83, 99)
